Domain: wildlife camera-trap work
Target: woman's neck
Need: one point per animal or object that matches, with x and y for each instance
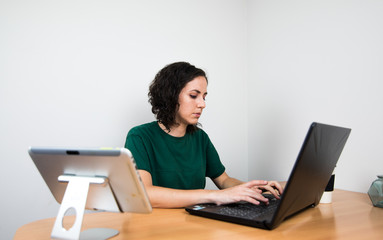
(175, 131)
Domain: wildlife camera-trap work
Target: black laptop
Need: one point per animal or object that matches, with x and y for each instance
(312, 170)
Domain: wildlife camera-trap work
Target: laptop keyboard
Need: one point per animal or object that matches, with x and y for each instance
(250, 211)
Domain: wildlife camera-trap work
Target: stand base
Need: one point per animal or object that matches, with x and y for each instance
(98, 233)
(74, 200)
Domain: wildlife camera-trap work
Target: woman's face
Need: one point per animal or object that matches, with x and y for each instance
(191, 101)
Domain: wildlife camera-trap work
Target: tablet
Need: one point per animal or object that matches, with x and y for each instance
(121, 189)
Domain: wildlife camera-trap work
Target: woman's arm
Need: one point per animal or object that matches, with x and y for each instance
(173, 198)
(162, 197)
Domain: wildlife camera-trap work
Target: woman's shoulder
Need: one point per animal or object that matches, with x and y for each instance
(200, 133)
(144, 128)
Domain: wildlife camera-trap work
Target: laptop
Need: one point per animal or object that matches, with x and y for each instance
(308, 179)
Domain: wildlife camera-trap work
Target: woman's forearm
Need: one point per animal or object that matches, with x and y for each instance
(173, 198)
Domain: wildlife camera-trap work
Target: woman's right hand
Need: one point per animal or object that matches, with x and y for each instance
(249, 192)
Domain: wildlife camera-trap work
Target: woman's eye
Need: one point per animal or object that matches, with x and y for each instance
(193, 96)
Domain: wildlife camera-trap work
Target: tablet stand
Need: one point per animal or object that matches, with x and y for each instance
(75, 199)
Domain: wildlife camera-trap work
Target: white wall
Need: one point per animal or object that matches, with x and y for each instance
(76, 73)
(315, 61)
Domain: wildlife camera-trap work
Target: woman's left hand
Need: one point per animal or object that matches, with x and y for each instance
(273, 187)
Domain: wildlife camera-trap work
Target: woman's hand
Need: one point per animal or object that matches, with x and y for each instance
(249, 192)
(273, 187)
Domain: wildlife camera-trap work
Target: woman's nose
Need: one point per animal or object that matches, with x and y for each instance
(201, 103)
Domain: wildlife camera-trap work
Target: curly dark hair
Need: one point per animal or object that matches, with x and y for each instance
(165, 89)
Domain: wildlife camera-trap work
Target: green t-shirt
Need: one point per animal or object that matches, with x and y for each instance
(174, 162)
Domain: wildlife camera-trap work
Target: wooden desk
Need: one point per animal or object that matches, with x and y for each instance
(350, 216)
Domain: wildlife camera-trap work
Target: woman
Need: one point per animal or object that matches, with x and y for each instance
(174, 156)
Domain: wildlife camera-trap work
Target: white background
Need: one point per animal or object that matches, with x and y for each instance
(76, 73)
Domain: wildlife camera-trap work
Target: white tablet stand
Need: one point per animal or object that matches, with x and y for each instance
(75, 199)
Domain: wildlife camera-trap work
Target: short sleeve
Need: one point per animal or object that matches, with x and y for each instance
(214, 166)
(137, 147)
